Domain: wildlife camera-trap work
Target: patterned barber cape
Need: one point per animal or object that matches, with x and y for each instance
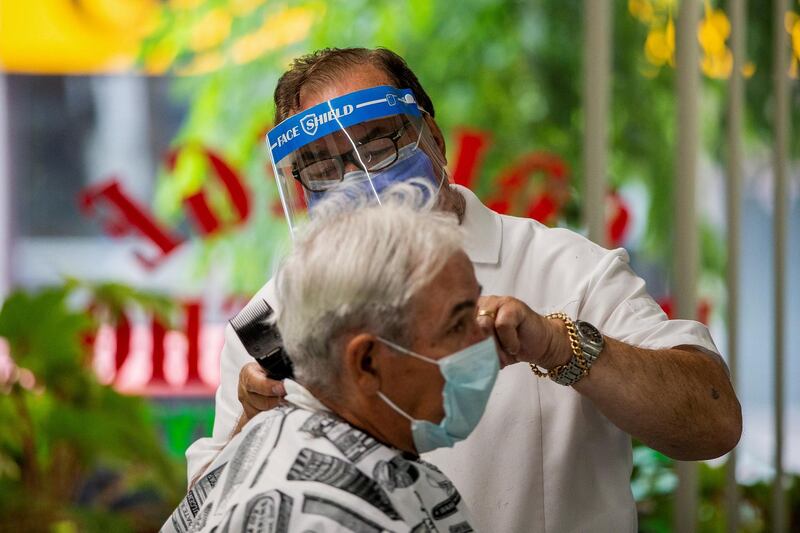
(301, 468)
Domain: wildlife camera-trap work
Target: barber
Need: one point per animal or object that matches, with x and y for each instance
(599, 360)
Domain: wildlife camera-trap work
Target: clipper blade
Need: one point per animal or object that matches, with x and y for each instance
(256, 329)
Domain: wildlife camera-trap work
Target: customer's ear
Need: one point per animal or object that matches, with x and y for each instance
(360, 363)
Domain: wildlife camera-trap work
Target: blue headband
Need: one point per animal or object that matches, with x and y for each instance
(333, 115)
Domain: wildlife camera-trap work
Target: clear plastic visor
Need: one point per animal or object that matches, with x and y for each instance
(368, 157)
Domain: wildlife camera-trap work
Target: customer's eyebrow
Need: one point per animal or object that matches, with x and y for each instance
(455, 317)
(457, 310)
(466, 304)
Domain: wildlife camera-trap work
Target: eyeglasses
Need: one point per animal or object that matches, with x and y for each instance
(372, 155)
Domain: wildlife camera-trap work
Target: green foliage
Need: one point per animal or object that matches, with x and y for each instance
(67, 427)
(654, 481)
(115, 298)
(759, 88)
(183, 423)
(231, 110)
(510, 68)
(43, 336)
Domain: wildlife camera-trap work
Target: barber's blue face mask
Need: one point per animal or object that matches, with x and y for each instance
(412, 162)
(469, 378)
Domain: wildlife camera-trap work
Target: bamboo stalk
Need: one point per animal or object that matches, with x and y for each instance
(734, 216)
(684, 218)
(596, 74)
(780, 153)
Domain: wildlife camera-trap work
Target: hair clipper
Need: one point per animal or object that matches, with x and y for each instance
(259, 334)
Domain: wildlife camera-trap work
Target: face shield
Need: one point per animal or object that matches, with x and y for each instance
(366, 141)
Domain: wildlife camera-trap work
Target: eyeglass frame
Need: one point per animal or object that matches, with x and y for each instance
(349, 156)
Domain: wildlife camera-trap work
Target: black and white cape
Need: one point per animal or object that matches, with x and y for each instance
(301, 468)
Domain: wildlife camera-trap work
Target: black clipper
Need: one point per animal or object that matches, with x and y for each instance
(262, 340)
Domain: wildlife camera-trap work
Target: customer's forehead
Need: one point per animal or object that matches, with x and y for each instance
(453, 284)
(356, 78)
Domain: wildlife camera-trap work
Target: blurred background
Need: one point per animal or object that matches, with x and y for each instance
(138, 213)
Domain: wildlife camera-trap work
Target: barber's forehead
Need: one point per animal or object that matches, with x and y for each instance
(357, 78)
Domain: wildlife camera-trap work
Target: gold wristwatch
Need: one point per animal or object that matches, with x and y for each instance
(586, 343)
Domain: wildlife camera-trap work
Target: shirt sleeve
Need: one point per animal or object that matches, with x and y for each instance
(227, 408)
(617, 303)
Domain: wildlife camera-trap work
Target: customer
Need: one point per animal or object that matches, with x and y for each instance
(378, 315)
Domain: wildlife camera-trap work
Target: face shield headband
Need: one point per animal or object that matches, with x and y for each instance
(363, 141)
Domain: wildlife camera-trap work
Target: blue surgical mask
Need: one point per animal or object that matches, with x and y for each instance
(412, 162)
(469, 377)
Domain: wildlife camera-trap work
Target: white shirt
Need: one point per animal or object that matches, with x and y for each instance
(301, 468)
(543, 458)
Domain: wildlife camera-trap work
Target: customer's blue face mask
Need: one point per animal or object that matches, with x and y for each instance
(469, 378)
(412, 162)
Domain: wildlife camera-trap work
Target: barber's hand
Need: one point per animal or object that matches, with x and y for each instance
(522, 334)
(257, 392)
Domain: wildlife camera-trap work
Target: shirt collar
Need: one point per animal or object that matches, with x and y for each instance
(483, 229)
(302, 397)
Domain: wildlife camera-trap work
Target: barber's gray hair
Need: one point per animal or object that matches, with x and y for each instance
(356, 269)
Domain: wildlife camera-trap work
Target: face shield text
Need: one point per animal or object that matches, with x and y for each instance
(311, 121)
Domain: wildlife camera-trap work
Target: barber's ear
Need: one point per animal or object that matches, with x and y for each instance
(360, 362)
(437, 134)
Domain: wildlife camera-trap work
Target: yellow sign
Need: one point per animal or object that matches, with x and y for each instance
(106, 36)
(73, 36)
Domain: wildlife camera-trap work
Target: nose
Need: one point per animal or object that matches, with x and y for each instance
(350, 166)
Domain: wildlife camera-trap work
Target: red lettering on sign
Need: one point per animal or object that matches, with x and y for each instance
(470, 147)
(157, 333)
(193, 314)
(122, 332)
(704, 309)
(543, 208)
(233, 184)
(541, 200)
(198, 205)
(128, 216)
(618, 216)
(206, 220)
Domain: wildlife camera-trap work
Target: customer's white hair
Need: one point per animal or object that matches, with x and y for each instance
(355, 267)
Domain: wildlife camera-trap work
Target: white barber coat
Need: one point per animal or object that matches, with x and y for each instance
(543, 458)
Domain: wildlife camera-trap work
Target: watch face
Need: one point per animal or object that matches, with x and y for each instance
(590, 332)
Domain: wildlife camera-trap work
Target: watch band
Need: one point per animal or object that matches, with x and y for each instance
(591, 344)
(586, 343)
